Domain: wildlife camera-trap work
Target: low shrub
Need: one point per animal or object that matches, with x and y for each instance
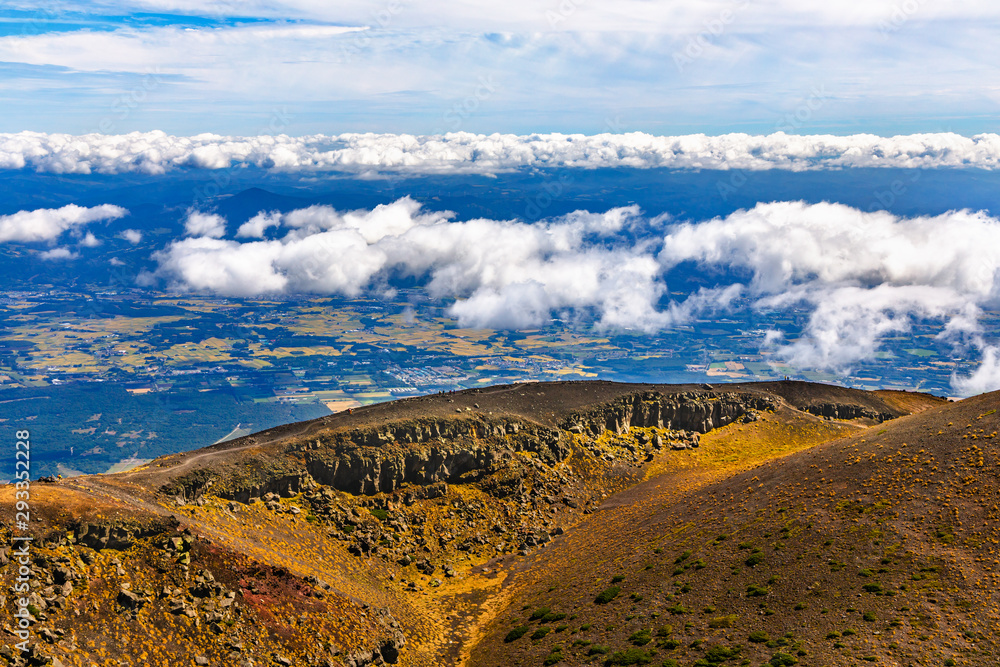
(553, 658)
(641, 637)
(516, 633)
(608, 594)
(632, 656)
(718, 654)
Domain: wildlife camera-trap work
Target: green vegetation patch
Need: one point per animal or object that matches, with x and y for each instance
(641, 637)
(608, 594)
(632, 656)
(539, 613)
(727, 621)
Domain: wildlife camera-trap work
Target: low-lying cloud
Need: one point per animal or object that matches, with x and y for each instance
(58, 254)
(504, 274)
(986, 378)
(47, 224)
(158, 152)
(860, 276)
(205, 224)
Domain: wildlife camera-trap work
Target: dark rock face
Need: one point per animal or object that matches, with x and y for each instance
(424, 453)
(688, 411)
(119, 536)
(283, 485)
(129, 600)
(846, 411)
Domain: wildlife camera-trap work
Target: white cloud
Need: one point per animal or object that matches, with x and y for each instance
(833, 244)
(133, 236)
(847, 323)
(90, 241)
(187, 50)
(859, 276)
(48, 224)
(257, 225)
(502, 273)
(575, 64)
(58, 254)
(985, 378)
(209, 225)
(158, 152)
(862, 275)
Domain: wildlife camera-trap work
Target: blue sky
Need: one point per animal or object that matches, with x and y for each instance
(880, 66)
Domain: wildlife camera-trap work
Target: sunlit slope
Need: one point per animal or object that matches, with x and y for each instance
(413, 533)
(876, 548)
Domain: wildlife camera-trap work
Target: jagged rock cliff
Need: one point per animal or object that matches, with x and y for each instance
(476, 447)
(842, 411)
(426, 452)
(687, 411)
(381, 460)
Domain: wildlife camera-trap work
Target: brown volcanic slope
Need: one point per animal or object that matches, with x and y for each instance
(415, 531)
(877, 548)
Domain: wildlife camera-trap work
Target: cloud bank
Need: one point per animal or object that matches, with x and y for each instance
(504, 274)
(47, 224)
(158, 152)
(860, 276)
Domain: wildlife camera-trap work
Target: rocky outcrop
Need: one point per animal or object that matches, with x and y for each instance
(284, 485)
(426, 452)
(687, 411)
(119, 536)
(421, 453)
(191, 485)
(847, 411)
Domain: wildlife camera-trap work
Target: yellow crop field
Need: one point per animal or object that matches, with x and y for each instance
(579, 371)
(284, 352)
(563, 340)
(208, 351)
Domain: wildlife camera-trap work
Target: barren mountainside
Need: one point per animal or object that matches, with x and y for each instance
(540, 524)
